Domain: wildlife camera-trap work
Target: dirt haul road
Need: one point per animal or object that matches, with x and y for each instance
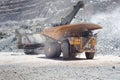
(17, 66)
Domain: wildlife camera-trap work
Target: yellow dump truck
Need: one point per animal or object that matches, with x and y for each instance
(69, 39)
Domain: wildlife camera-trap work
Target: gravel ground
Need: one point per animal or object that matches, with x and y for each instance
(36, 67)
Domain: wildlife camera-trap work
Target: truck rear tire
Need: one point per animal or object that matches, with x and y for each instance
(29, 52)
(52, 50)
(65, 46)
(89, 55)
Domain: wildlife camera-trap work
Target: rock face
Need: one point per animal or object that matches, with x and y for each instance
(20, 9)
(17, 10)
(12, 9)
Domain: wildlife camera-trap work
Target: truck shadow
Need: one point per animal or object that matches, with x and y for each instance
(61, 59)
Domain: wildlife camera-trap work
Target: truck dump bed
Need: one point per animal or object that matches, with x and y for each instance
(58, 32)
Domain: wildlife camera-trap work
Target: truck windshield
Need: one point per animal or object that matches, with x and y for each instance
(87, 33)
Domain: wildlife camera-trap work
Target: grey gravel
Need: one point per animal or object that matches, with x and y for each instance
(23, 67)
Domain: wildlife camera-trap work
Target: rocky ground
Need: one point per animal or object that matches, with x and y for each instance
(17, 66)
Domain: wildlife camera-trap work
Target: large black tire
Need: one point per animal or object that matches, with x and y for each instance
(65, 46)
(89, 55)
(29, 51)
(52, 50)
(36, 51)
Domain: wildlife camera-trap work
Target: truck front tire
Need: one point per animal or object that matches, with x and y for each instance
(89, 55)
(29, 51)
(65, 46)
